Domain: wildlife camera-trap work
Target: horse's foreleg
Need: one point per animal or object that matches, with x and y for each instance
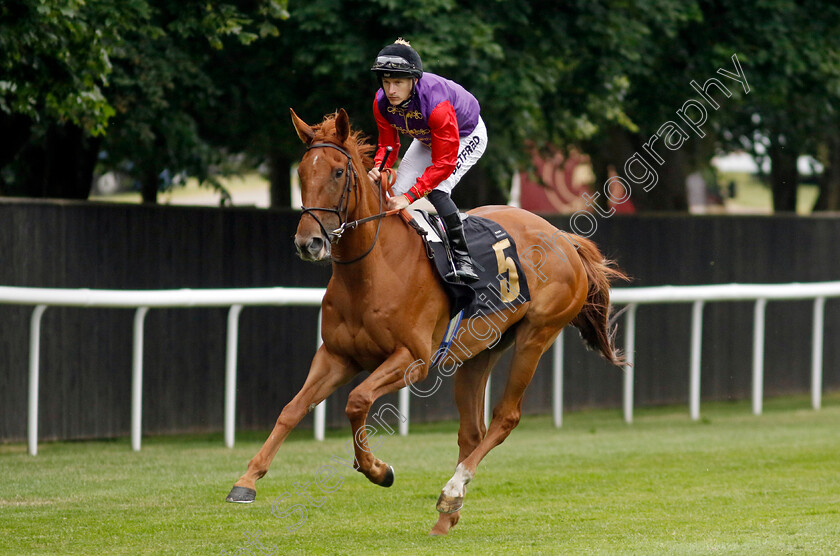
(326, 374)
(389, 377)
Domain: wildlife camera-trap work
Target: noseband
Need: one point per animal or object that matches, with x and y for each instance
(341, 210)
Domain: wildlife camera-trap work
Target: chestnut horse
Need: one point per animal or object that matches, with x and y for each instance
(385, 311)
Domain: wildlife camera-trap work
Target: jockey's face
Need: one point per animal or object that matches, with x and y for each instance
(397, 89)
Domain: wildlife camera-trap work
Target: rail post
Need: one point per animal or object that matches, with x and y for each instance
(557, 382)
(758, 356)
(231, 357)
(34, 376)
(696, 352)
(137, 379)
(630, 358)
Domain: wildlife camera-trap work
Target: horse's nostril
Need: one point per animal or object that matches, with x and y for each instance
(315, 245)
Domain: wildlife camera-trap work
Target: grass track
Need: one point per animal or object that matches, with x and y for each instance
(730, 484)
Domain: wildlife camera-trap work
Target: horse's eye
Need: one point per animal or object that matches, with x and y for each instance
(339, 173)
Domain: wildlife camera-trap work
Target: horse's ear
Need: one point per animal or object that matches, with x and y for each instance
(304, 131)
(342, 126)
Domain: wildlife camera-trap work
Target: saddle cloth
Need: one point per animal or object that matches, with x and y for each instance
(501, 282)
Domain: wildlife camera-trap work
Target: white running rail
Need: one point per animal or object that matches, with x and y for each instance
(698, 296)
(236, 299)
(142, 301)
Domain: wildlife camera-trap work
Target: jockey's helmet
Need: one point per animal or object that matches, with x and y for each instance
(398, 60)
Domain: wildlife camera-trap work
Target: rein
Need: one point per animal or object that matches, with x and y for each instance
(344, 206)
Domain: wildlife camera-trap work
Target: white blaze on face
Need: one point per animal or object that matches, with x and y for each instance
(457, 485)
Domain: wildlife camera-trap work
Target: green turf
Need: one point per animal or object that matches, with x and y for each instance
(732, 483)
(752, 195)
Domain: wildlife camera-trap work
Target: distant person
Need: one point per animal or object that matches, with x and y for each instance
(696, 190)
(448, 135)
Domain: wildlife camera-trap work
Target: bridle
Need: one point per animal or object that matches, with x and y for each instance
(342, 209)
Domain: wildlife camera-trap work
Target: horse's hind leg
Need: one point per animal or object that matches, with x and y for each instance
(326, 374)
(470, 382)
(531, 343)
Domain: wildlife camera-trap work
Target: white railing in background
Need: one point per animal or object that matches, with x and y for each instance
(236, 299)
(698, 296)
(142, 301)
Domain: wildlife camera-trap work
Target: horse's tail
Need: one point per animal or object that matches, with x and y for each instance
(595, 322)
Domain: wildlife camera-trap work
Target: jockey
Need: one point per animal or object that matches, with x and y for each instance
(449, 136)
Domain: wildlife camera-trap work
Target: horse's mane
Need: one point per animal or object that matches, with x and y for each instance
(356, 144)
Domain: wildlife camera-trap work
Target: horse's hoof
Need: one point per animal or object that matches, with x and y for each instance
(449, 504)
(389, 478)
(444, 523)
(241, 495)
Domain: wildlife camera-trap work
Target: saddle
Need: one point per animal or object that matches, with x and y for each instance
(501, 282)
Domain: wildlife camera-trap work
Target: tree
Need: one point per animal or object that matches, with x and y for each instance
(73, 65)
(316, 64)
(163, 82)
(532, 89)
(789, 52)
(792, 53)
(54, 61)
(146, 83)
(635, 68)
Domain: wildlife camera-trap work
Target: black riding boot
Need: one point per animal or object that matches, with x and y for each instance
(460, 251)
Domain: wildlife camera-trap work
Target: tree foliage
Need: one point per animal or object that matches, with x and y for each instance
(121, 76)
(159, 85)
(793, 52)
(54, 58)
